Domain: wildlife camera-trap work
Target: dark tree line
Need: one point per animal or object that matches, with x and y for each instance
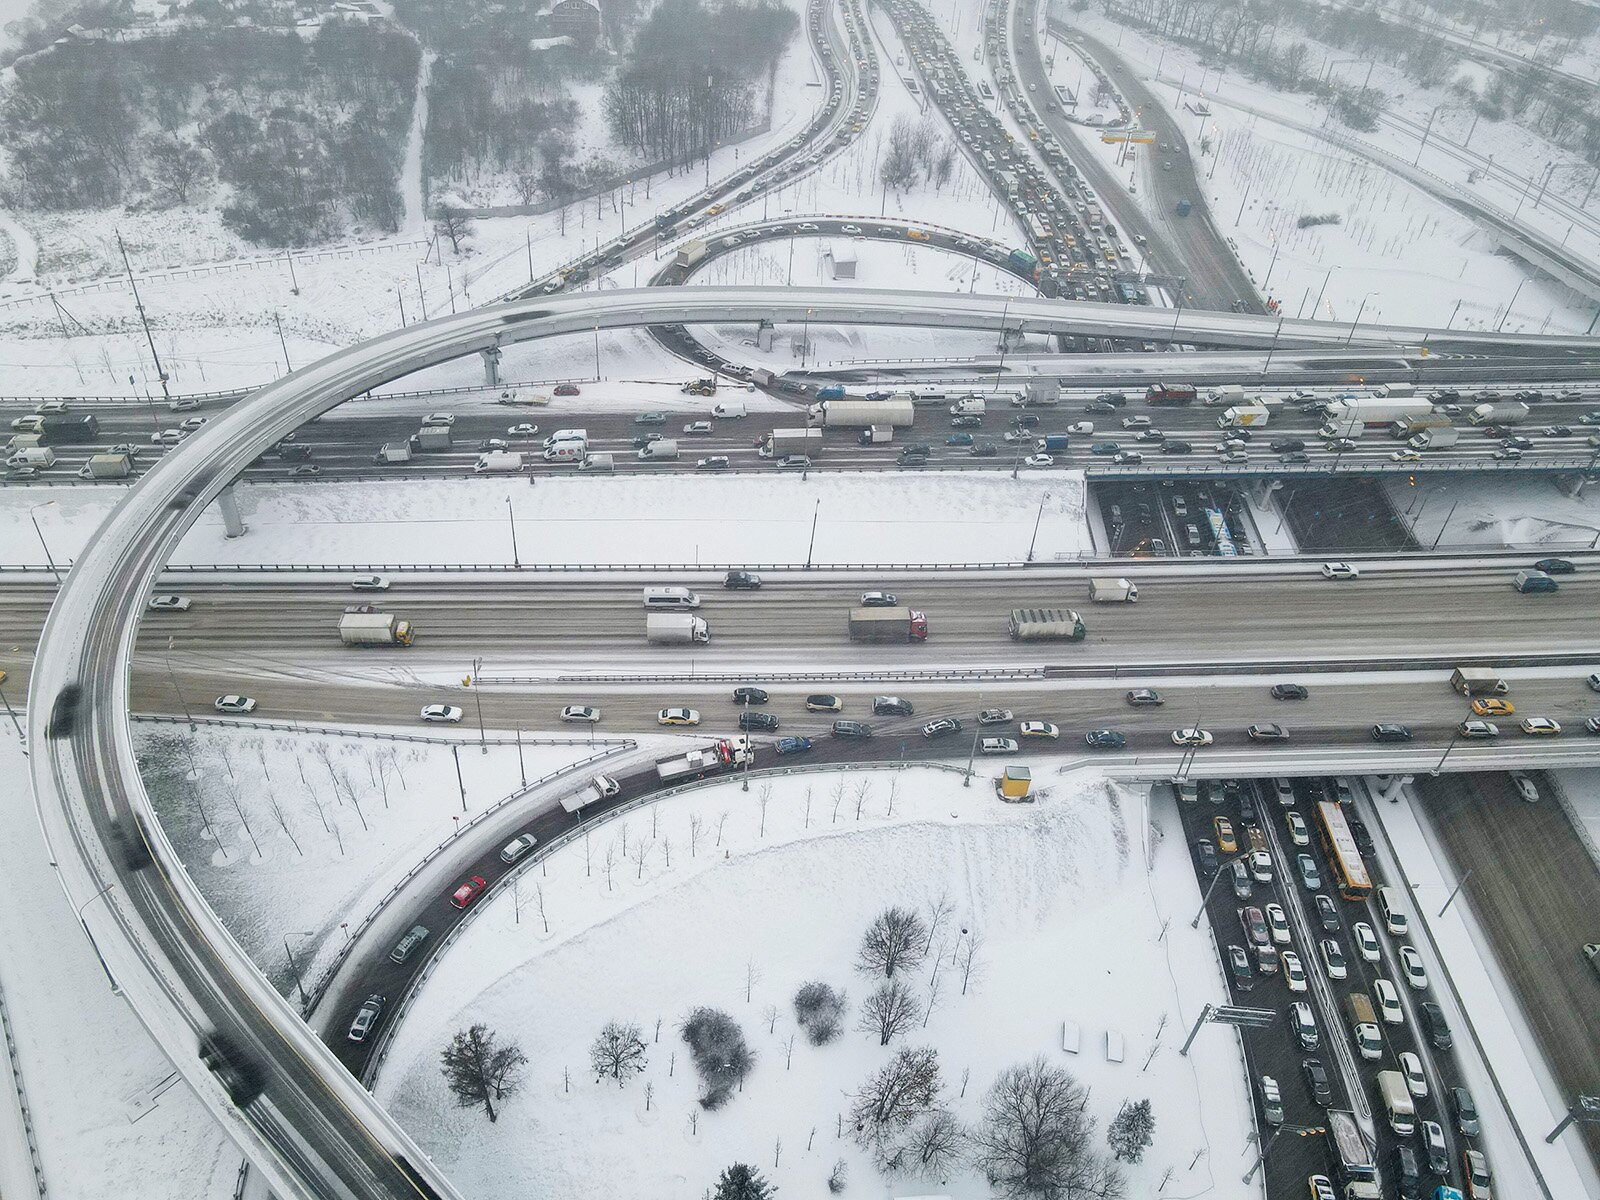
(304, 135)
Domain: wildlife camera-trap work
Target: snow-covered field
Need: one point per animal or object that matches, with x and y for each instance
(1064, 902)
(109, 1118)
(1492, 510)
(679, 519)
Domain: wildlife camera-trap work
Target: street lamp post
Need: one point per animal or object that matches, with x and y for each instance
(45, 546)
(12, 713)
(1206, 899)
(516, 559)
(1037, 518)
(1357, 321)
(477, 696)
(295, 967)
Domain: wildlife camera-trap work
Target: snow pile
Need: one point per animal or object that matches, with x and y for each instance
(733, 900)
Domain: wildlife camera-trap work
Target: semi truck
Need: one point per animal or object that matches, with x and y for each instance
(1357, 1170)
(601, 787)
(107, 466)
(1396, 1099)
(1170, 393)
(1113, 591)
(888, 625)
(1408, 426)
(1244, 416)
(374, 629)
(675, 629)
(690, 253)
(1434, 439)
(498, 462)
(1374, 410)
(1046, 625)
(1507, 412)
(392, 452)
(858, 414)
(61, 429)
(783, 442)
(715, 759)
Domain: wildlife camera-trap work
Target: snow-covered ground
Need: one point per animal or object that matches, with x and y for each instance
(677, 519)
(1065, 901)
(110, 1118)
(1494, 510)
(298, 835)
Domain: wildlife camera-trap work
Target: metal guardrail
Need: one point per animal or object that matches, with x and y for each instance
(22, 1099)
(320, 986)
(493, 739)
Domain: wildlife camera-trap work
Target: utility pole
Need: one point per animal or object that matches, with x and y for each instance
(277, 321)
(477, 695)
(143, 320)
(1210, 887)
(516, 560)
(1037, 518)
(295, 967)
(460, 783)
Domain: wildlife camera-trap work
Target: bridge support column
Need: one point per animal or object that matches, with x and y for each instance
(1572, 485)
(1010, 339)
(1391, 787)
(491, 366)
(765, 334)
(233, 525)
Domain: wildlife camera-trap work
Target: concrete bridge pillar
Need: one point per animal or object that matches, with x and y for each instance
(491, 366)
(233, 525)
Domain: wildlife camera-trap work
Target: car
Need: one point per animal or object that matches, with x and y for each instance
(1176, 446)
(1136, 422)
(234, 704)
(741, 581)
(1321, 1188)
(1261, 866)
(517, 847)
(994, 716)
(792, 745)
(494, 444)
(1476, 1168)
(1299, 834)
(523, 430)
(369, 583)
(1128, 457)
(677, 716)
(942, 727)
(998, 745)
(1340, 446)
(1277, 923)
(1269, 732)
(1466, 1112)
(1327, 912)
(1366, 941)
(822, 702)
(697, 429)
(1369, 1040)
(648, 418)
(1333, 959)
(445, 713)
(1106, 739)
(1507, 454)
(757, 720)
(169, 604)
(1192, 737)
(879, 600)
(1271, 1101)
(406, 946)
(1388, 998)
(1305, 1025)
(566, 389)
(852, 230)
(439, 418)
(1226, 842)
(966, 421)
(892, 706)
(1309, 875)
(716, 462)
(1317, 1081)
(1435, 1025)
(984, 450)
(1105, 448)
(167, 437)
(1340, 570)
(851, 729)
(366, 1017)
(1478, 729)
(1514, 442)
(1145, 698)
(307, 469)
(1284, 790)
(1412, 967)
(1038, 460)
(469, 891)
(1433, 1145)
(1038, 729)
(1540, 725)
(1492, 706)
(1389, 731)
(1244, 976)
(1289, 691)
(1554, 566)
(1207, 854)
(749, 695)
(1526, 788)
(1404, 456)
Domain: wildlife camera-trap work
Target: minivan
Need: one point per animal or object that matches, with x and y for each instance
(670, 597)
(1534, 581)
(1394, 917)
(414, 937)
(1305, 1025)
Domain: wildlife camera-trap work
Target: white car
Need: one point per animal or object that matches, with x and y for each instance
(369, 583)
(1540, 725)
(1293, 973)
(1081, 427)
(1340, 570)
(1405, 456)
(1277, 924)
(1411, 964)
(852, 230)
(1333, 959)
(167, 437)
(1411, 1068)
(447, 713)
(1298, 833)
(994, 716)
(1526, 788)
(1366, 941)
(878, 600)
(677, 716)
(1388, 998)
(191, 423)
(234, 704)
(170, 603)
(45, 407)
(580, 712)
(1040, 729)
(439, 418)
(1192, 737)
(998, 745)
(1038, 460)
(1136, 422)
(1369, 1041)
(523, 430)
(517, 847)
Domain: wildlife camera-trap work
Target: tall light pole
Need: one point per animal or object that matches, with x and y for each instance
(477, 696)
(295, 967)
(516, 560)
(1037, 518)
(1509, 303)
(11, 712)
(43, 545)
(811, 545)
(1357, 321)
(1210, 887)
(183, 703)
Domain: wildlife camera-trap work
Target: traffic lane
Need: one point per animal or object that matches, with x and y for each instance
(1535, 893)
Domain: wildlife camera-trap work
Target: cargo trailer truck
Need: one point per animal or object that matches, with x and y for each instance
(859, 414)
(1358, 1172)
(675, 629)
(1046, 625)
(107, 466)
(374, 629)
(888, 625)
(716, 759)
(1508, 412)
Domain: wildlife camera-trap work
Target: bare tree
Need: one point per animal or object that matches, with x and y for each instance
(788, 1053)
(452, 220)
(538, 904)
(889, 1011)
(752, 976)
(838, 796)
(610, 861)
(764, 798)
(1035, 1137)
(967, 960)
(722, 818)
(617, 1053)
(276, 809)
(819, 1009)
(937, 915)
(896, 1094)
(863, 790)
(769, 1014)
(640, 855)
(478, 1071)
(935, 991)
(896, 938)
(933, 1146)
(697, 827)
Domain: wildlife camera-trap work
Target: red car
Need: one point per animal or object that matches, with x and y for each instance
(468, 891)
(566, 389)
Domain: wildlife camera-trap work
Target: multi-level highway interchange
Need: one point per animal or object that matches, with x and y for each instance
(1369, 623)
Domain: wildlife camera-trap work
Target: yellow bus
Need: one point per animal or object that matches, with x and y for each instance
(1349, 870)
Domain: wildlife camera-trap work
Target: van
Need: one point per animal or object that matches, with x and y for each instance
(670, 597)
(1534, 581)
(1397, 1102)
(414, 937)
(1305, 1025)
(1394, 917)
(566, 435)
(566, 452)
(596, 462)
(33, 456)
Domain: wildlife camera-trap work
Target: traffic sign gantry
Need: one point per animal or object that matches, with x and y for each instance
(1229, 1014)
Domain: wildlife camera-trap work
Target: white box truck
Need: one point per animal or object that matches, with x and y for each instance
(1244, 416)
(393, 452)
(374, 629)
(1113, 591)
(107, 466)
(1434, 439)
(675, 629)
(1229, 393)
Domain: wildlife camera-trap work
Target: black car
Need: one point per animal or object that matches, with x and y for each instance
(1327, 912)
(1247, 805)
(741, 580)
(1317, 1081)
(966, 421)
(1115, 399)
(1554, 566)
(1286, 445)
(1267, 732)
(749, 695)
(1207, 854)
(891, 706)
(1176, 446)
(1290, 691)
(1390, 732)
(1026, 421)
(852, 729)
(1105, 739)
(1244, 976)
(1436, 1027)
(1408, 1172)
(757, 720)
(1466, 1112)
(1362, 836)
(984, 450)
(1297, 458)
